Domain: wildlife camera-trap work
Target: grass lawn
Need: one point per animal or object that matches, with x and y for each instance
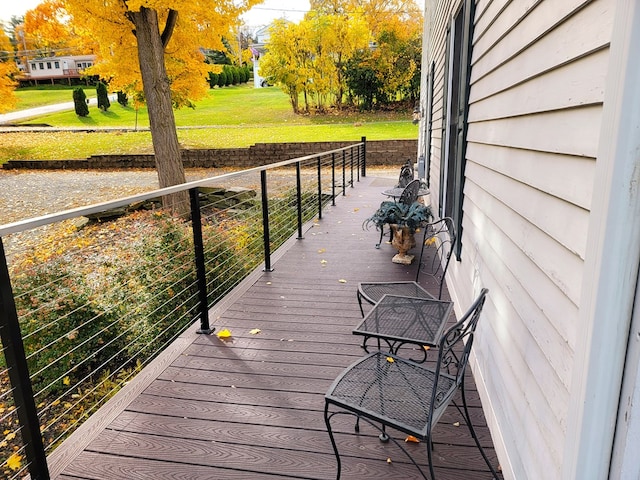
(30, 97)
(229, 117)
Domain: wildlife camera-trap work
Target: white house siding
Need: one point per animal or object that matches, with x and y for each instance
(537, 86)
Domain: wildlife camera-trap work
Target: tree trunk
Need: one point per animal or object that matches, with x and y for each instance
(157, 93)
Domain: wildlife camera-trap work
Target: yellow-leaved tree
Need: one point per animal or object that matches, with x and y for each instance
(288, 59)
(47, 32)
(7, 70)
(309, 58)
(154, 47)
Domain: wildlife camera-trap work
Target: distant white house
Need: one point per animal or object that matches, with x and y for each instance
(258, 49)
(52, 69)
(530, 129)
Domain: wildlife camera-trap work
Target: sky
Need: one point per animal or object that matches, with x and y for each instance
(260, 15)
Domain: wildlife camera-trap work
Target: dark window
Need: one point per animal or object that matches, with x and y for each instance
(48, 65)
(454, 133)
(41, 66)
(56, 64)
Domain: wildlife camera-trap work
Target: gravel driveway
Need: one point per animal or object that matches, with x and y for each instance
(31, 193)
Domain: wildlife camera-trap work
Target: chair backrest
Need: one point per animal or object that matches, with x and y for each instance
(440, 236)
(406, 174)
(453, 356)
(410, 192)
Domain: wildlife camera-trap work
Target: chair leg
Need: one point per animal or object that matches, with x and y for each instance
(384, 438)
(359, 295)
(473, 433)
(327, 421)
(430, 458)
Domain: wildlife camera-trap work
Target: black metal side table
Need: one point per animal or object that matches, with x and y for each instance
(398, 321)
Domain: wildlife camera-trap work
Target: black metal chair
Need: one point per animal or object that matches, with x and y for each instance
(409, 195)
(386, 390)
(441, 234)
(406, 174)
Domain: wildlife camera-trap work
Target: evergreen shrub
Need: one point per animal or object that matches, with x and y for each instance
(80, 102)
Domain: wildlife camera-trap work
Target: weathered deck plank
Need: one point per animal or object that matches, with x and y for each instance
(252, 407)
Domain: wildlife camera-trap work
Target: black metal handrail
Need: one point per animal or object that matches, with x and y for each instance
(191, 282)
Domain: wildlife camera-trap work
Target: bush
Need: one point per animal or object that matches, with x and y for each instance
(222, 79)
(123, 99)
(80, 102)
(235, 71)
(103, 97)
(246, 73)
(213, 79)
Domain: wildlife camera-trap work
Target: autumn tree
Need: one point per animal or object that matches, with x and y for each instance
(380, 15)
(154, 47)
(7, 70)
(46, 31)
(286, 62)
(319, 57)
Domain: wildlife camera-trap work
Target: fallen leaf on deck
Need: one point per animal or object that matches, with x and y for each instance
(390, 359)
(322, 250)
(14, 462)
(426, 347)
(430, 241)
(323, 262)
(224, 333)
(412, 439)
(456, 424)
(268, 283)
(342, 280)
(255, 331)
(388, 460)
(356, 209)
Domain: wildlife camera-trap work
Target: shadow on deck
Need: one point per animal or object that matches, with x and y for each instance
(251, 407)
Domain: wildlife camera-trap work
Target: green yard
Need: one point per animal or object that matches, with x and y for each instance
(229, 117)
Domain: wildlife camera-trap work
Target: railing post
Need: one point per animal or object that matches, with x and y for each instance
(351, 166)
(265, 222)
(364, 156)
(319, 189)
(333, 179)
(357, 162)
(344, 173)
(299, 199)
(16, 360)
(201, 272)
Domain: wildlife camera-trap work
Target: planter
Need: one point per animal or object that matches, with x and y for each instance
(403, 240)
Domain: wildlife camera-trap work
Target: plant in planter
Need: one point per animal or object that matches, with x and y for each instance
(404, 220)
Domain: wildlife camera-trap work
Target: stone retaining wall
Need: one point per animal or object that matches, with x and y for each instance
(380, 152)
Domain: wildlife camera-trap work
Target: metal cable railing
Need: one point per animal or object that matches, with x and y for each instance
(97, 292)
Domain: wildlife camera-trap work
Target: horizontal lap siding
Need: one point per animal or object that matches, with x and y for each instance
(537, 86)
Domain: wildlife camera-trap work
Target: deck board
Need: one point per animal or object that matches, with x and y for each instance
(252, 407)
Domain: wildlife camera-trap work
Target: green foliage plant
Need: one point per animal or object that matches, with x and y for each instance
(80, 102)
(222, 79)
(412, 216)
(123, 99)
(103, 97)
(213, 79)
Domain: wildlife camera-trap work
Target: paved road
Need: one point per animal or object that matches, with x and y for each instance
(8, 118)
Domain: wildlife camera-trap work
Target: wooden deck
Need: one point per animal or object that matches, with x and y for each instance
(252, 407)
